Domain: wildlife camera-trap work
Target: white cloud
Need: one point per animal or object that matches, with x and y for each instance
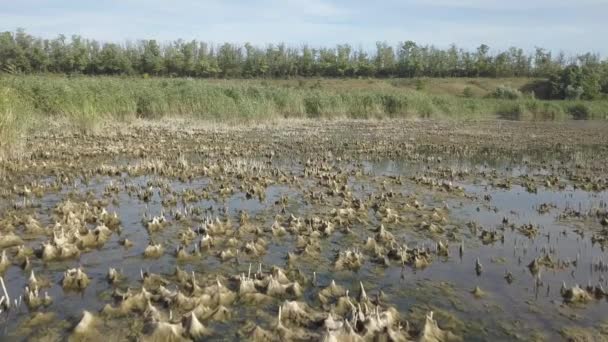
(320, 8)
(322, 22)
(506, 4)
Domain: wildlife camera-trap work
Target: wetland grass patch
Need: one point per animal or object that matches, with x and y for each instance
(86, 102)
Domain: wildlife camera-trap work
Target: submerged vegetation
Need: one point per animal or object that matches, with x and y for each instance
(346, 230)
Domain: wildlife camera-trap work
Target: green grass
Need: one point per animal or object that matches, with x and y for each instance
(85, 102)
(15, 117)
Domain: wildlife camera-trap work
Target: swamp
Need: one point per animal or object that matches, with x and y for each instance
(303, 230)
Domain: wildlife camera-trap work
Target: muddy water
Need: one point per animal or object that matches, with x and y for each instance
(530, 306)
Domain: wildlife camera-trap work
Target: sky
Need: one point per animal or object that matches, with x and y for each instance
(571, 26)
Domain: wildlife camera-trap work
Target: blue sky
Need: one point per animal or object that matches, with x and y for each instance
(560, 25)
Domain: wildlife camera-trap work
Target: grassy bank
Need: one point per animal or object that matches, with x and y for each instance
(86, 101)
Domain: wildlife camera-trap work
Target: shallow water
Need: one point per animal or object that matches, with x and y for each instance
(529, 307)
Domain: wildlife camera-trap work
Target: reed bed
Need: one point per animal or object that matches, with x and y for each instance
(86, 102)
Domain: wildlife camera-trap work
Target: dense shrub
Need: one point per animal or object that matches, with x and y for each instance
(575, 82)
(579, 111)
(511, 111)
(313, 106)
(506, 93)
(573, 93)
(393, 104)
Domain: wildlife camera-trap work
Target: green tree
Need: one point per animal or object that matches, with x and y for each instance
(21, 52)
(364, 65)
(306, 63)
(229, 59)
(152, 61)
(79, 54)
(112, 60)
(482, 61)
(385, 59)
(188, 52)
(543, 64)
(344, 65)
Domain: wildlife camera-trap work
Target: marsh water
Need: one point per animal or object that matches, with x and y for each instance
(528, 201)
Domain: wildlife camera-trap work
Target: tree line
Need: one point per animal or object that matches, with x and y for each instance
(21, 52)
